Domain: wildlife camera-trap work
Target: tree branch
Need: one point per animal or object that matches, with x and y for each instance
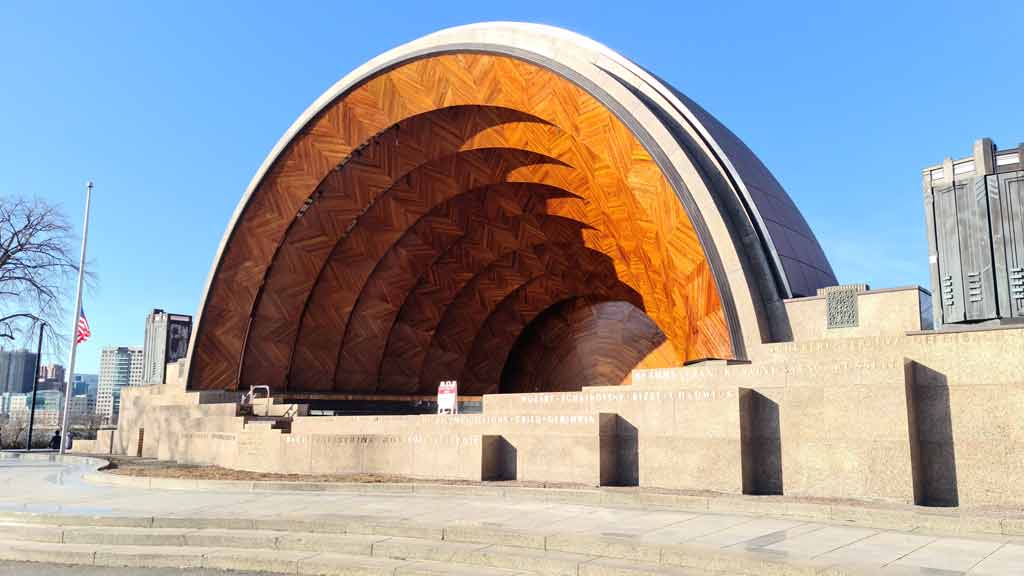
(36, 263)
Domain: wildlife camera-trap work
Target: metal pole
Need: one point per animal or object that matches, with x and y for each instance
(64, 430)
(35, 386)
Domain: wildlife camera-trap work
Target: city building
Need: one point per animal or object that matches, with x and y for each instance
(120, 367)
(51, 372)
(976, 236)
(5, 367)
(5, 402)
(82, 411)
(17, 370)
(51, 377)
(49, 407)
(86, 384)
(166, 341)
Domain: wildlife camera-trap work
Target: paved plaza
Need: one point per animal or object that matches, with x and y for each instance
(47, 487)
(44, 569)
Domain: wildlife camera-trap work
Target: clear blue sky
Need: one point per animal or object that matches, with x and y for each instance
(171, 108)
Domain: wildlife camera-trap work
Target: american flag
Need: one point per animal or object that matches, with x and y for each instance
(82, 332)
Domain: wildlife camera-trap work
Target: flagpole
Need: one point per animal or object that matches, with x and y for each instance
(64, 429)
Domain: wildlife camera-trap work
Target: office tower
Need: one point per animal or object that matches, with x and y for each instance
(120, 366)
(166, 341)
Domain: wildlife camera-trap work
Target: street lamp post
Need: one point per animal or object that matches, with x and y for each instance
(35, 386)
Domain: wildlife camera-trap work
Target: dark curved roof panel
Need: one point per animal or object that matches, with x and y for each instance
(783, 228)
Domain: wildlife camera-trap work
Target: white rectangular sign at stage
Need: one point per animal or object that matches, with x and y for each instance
(447, 394)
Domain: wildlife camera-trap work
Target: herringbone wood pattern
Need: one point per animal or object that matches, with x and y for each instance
(633, 214)
(580, 340)
(329, 307)
(342, 197)
(507, 212)
(497, 336)
(518, 283)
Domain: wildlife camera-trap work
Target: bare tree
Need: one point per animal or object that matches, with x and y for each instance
(86, 425)
(12, 433)
(36, 264)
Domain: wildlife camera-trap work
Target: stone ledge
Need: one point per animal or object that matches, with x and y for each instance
(919, 519)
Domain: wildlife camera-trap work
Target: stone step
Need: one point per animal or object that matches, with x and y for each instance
(261, 423)
(271, 561)
(301, 552)
(275, 422)
(530, 551)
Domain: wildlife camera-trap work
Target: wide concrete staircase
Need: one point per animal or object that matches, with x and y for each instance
(359, 546)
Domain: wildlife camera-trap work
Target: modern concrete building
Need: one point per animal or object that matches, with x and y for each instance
(17, 370)
(608, 272)
(87, 384)
(974, 210)
(167, 338)
(120, 367)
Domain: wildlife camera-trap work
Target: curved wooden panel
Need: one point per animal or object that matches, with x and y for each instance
(621, 219)
(661, 242)
(620, 228)
(480, 212)
(436, 290)
(353, 259)
(460, 328)
(538, 138)
(583, 341)
(338, 201)
(503, 326)
(534, 136)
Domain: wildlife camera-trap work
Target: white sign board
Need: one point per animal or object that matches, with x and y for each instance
(447, 395)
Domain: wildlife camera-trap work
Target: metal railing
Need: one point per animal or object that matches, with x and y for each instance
(249, 397)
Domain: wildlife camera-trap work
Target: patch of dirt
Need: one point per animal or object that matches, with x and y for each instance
(151, 468)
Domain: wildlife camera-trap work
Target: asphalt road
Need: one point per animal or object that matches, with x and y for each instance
(40, 569)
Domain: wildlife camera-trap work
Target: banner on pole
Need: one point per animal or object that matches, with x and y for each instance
(447, 397)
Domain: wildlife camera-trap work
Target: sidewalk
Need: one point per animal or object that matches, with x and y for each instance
(41, 485)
